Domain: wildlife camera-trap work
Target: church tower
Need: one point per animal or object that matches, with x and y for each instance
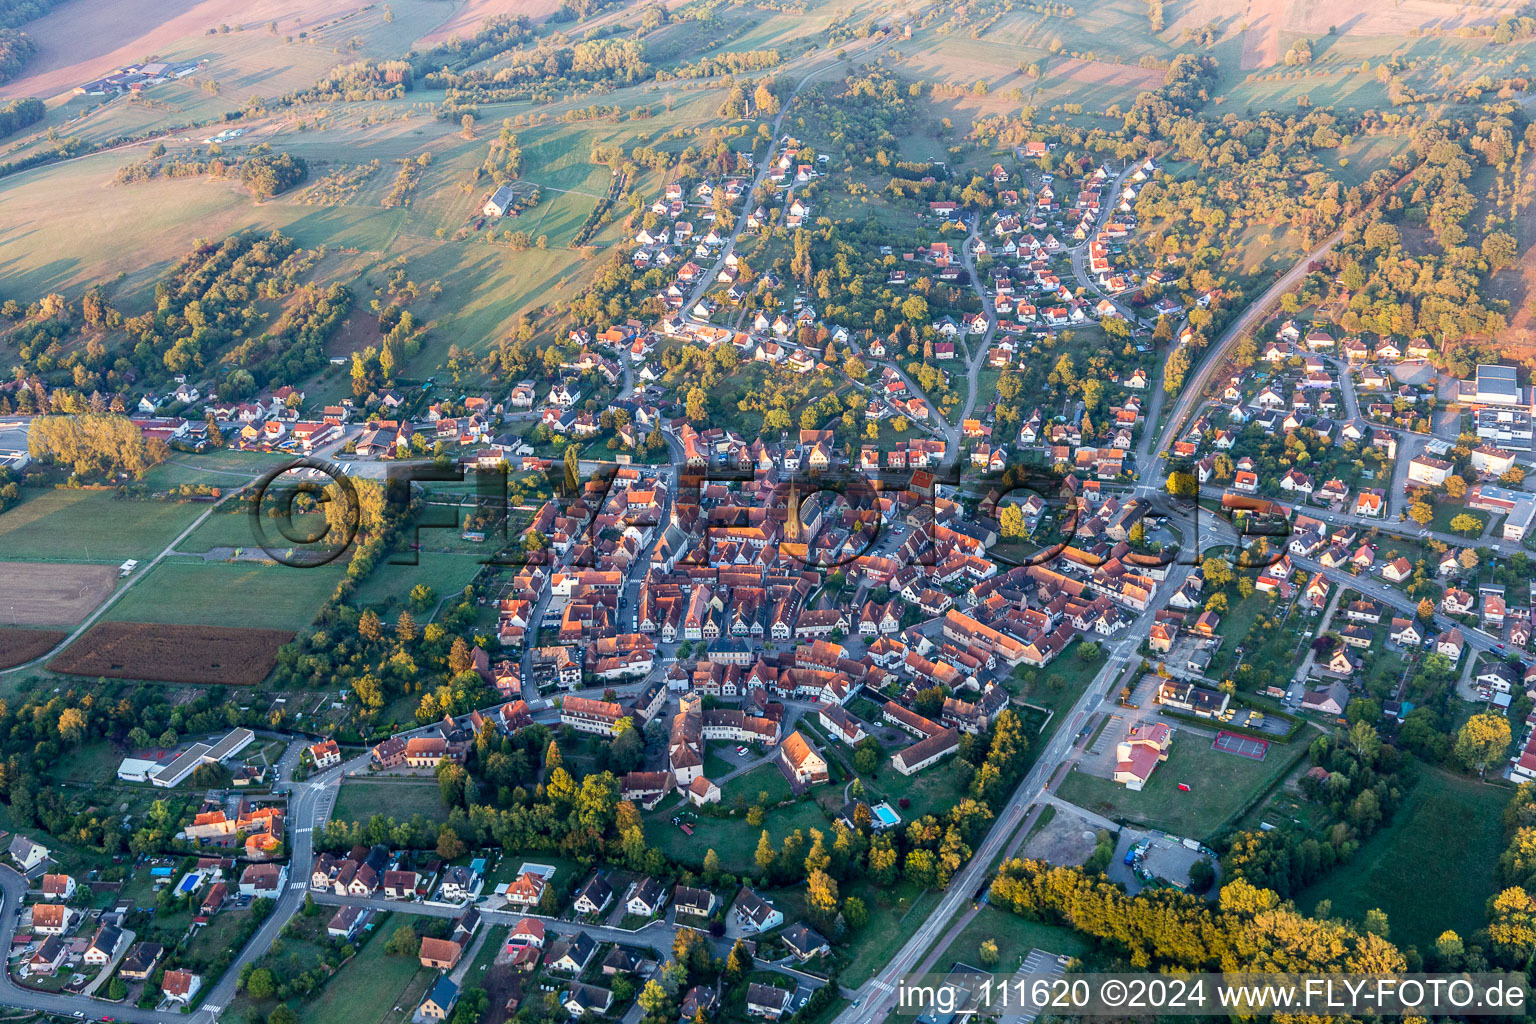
(792, 527)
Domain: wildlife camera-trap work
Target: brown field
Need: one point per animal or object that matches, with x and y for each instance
(19, 646)
(49, 594)
(173, 654)
(471, 13)
(80, 40)
(1264, 20)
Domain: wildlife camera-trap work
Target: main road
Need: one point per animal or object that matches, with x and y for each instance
(1194, 388)
(877, 997)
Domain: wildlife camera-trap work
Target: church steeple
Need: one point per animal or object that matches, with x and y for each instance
(792, 526)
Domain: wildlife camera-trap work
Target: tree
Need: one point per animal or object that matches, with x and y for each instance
(449, 845)
(821, 896)
(1500, 250)
(855, 913)
(1465, 524)
(72, 725)
(1482, 741)
(467, 122)
(368, 626)
(1183, 485)
(282, 1013)
(988, 952)
(1421, 512)
(260, 984)
(572, 468)
(1426, 609)
(653, 998)
(696, 405)
(402, 942)
(765, 853)
(1011, 518)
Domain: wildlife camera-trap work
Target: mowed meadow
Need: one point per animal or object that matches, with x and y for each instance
(53, 220)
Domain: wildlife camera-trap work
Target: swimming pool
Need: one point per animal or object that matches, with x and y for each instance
(885, 815)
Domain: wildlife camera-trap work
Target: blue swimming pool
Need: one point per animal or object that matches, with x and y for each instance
(885, 815)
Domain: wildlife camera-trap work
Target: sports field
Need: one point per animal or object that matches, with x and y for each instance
(1220, 784)
(40, 594)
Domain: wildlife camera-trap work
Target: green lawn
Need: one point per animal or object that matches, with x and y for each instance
(252, 594)
(933, 790)
(231, 529)
(1235, 626)
(1015, 937)
(224, 468)
(1391, 868)
(91, 526)
(1444, 513)
(892, 918)
(370, 986)
(762, 779)
(1220, 785)
(361, 799)
(731, 838)
(388, 586)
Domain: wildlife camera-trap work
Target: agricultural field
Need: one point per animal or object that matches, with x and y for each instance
(91, 526)
(19, 646)
(188, 591)
(173, 653)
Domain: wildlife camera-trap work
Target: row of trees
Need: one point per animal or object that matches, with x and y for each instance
(94, 444)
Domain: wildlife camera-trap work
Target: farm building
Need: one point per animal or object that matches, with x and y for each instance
(499, 203)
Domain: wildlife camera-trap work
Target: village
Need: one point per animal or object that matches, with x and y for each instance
(856, 533)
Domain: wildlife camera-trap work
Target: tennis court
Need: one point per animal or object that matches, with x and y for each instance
(1243, 746)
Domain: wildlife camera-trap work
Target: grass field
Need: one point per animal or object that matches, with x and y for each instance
(371, 985)
(234, 530)
(251, 594)
(1220, 785)
(360, 800)
(389, 585)
(1015, 937)
(763, 779)
(91, 526)
(731, 838)
(1389, 870)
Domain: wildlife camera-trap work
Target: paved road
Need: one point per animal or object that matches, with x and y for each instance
(707, 280)
(1079, 253)
(1193, 392)
(1400, 602)
(877, 996)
